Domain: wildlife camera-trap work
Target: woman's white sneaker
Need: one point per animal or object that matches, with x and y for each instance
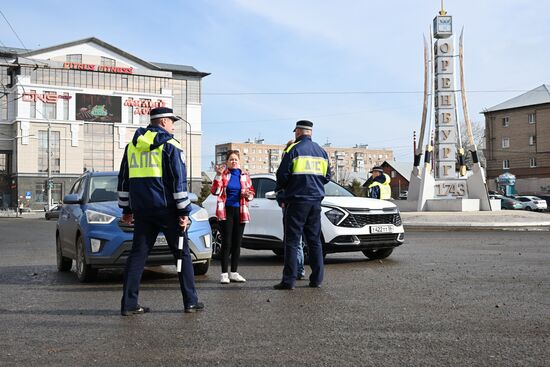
(224, 279)
(236, 277)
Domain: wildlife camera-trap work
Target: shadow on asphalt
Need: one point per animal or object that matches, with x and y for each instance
(158, 277)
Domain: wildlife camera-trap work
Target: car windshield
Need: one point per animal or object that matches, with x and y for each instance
(333, 189)
(103, 188)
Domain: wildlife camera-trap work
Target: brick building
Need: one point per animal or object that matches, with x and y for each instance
(517, 135)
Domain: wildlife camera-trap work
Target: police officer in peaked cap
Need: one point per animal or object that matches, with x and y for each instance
(378, 184)
(302, 175)
(152, 193)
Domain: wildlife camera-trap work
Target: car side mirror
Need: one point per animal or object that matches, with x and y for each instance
(193, 197)
(71, 199)
(271, 195)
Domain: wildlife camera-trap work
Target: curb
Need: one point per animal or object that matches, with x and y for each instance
(516, 227)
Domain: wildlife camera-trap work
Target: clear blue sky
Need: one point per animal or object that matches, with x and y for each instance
(264, 46)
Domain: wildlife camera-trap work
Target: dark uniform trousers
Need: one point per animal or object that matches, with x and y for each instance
(303, 218)
(146, 230)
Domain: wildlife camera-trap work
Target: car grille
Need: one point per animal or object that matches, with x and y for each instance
(361, 220)
(389, 237)
(155, 251)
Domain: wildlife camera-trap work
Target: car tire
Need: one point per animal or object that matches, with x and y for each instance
(216, 240)
(280, 252)
(64, 264)
(84, 272)
(202, 268)
(377, 254)
(47, 217)
(528, 208)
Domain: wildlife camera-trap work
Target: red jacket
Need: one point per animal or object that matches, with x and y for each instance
(219, 187)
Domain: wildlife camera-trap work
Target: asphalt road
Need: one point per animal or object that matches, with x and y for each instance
(442, 299)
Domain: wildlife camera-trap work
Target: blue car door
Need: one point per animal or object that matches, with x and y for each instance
(69, 220)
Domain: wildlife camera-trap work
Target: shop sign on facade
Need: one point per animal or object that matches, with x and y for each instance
(44, 97)
(143, 107)
(93, 67)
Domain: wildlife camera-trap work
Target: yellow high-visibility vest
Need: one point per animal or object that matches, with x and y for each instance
(385, 188)
(143, 162)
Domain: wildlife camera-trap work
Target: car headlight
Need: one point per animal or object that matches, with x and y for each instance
(200, 215)
(335, 216)
(94, 217)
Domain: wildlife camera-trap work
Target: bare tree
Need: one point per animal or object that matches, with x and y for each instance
(478, 131)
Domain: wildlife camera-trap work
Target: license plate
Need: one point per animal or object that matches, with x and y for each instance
(161, 241)
(381, 229)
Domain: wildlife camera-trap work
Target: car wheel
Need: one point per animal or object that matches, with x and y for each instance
(280, 252)
(528, 208)
(201, 269)
(378, 254)
(216, 240)
(84, 272)
(47, 217)
(63, 263)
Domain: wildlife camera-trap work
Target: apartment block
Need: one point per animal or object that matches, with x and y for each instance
(259, 157)
(518, 141)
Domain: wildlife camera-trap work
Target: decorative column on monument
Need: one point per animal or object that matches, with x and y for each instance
(445, 113)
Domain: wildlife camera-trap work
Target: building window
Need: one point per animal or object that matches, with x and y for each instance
(532, 140)
(506, 142)
(33, 106)
(105, 61)
(4, 163)
(98, 147)
(43, 151)
(393, 174)
(505, 121)
(532, 118)
(74, 58)
(193, 92)
(49, 109)
(66, 106)
(506, 164)
(532, 162)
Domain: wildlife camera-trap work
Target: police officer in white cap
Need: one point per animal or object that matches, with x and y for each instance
(152, 186)
(378, 184)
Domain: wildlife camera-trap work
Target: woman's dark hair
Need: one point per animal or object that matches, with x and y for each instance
(230, 152)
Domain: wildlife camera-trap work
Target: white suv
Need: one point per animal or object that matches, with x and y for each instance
(348, 223)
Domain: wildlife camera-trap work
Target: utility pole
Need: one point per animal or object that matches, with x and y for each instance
(336, 161)
(49, 150)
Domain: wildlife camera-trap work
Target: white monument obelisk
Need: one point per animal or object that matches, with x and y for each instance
(447, 186)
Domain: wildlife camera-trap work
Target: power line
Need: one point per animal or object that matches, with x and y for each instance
(352, 92)
(13, 30)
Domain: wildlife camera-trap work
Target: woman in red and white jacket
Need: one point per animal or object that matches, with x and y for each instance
(234, 190)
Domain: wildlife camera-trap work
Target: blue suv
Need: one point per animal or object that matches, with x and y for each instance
(88, 231)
